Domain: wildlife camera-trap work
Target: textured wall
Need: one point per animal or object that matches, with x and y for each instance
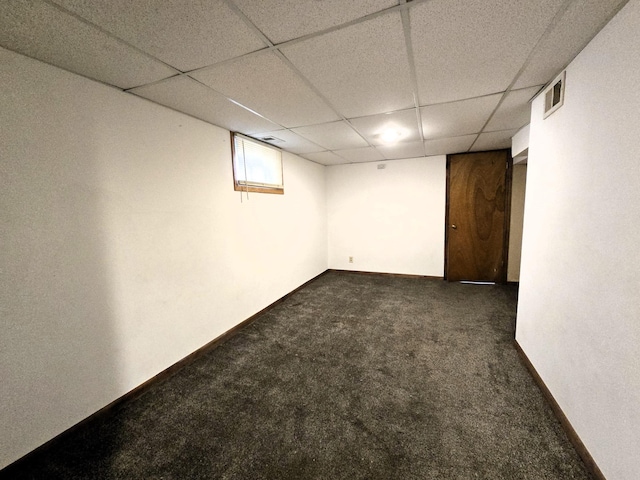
(124, 246)
(518, 186)
(389, 220)
(579, 301)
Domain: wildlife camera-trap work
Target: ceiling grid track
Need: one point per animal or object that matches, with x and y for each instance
(273, 46)
(401, 7)
(111, 35)
(556, 19)
(341, 75)
(294, 69)
(406, 28)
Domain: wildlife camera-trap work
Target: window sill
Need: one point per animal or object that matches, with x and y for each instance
(244, 188)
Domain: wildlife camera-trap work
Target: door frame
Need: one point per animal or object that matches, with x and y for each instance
(507, 214)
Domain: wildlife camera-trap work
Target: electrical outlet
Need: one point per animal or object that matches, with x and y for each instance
(350, 259)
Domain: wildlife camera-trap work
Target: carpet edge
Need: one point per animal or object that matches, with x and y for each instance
(144, 387)
(573, 436)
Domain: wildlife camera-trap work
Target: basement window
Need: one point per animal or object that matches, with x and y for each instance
(257, 167)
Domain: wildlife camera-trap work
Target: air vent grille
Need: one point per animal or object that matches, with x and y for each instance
(554, 95)
(271, 139)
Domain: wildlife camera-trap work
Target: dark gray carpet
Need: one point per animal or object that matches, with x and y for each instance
(353, 377)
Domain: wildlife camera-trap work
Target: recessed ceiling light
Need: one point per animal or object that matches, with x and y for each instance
(390, 136)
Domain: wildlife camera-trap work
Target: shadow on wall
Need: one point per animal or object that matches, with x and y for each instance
(57, 345)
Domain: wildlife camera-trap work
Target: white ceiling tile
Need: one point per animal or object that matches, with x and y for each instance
(183, 33)
(186, 95)
(332, 136)
(41, 31)
(402, 150)
(457, 118)
(444, 146)
(404, 121)
(268, 86)
(494, 140)
(514, 111)
(357, 155)
(465, 48)
(362, 69)
(282, 20)
(325, 158)
(290, 142)
(578, 25)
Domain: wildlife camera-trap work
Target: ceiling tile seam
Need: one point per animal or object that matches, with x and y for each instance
(504, 129)
(300, 75)
(335, 152)
(552, 25)
(235, 102)
(277, 46)
(375, 161)
(506, 94)
(320, 95)
(156, 82)
(269, 45)
(174, 109)
(289, 129)
(446, 137)
(83, 75)
(109, 34)
(256, 135)
(406, 28)
(474, 142)
(252, 26)
(309, 160)
(314, 161)
(355, 129)
(554, 22)
(293, 68)
(609, 17)
(401, 110)
(482, 130)
(392, 156)
(179, 72)
(447, 102)
(232, 60)
(355, 21)
(349, 162)
(429, 105)
(386, 157)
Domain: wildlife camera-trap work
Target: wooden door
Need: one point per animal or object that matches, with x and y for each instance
(477, 230)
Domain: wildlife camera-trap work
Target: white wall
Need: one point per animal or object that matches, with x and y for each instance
(518, 188)
(579, 304)
(520, 145)
(389, 220)
(124, 246)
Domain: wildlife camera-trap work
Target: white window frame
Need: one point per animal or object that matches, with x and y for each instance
(264, 157)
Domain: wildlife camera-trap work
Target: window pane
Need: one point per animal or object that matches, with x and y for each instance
(257, 164)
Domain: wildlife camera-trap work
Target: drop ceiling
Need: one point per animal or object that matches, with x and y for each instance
(322, 78)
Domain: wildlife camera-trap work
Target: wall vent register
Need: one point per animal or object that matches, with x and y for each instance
(554, 95)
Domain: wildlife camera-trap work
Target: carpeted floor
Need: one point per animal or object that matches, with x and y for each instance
(353, 377)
